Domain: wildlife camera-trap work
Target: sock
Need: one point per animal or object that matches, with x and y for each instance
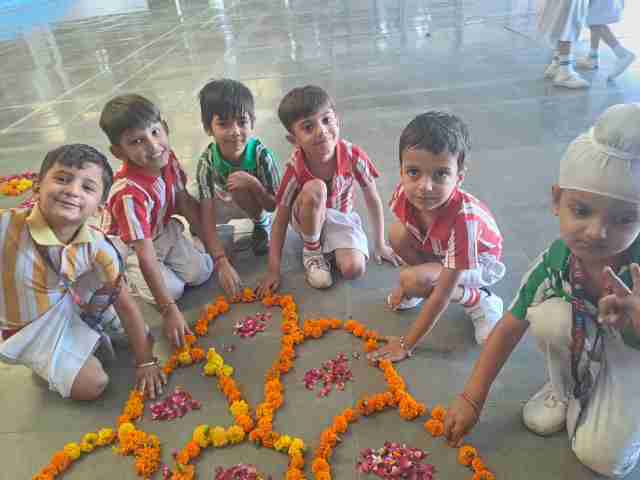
(620, 51)
(262, 220)
(564, 64)
(470, 297)
(311, 242)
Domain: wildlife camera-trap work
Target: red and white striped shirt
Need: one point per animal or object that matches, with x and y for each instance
(463, 230)
(352, 163)
(139, 204)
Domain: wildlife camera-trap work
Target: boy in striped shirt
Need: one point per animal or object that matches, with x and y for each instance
(316, 194)
(149, 188)
(448, 238)
(61, 279)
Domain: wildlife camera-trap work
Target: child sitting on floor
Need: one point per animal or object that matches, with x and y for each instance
(447, 237)
(316, 194)
(237, 175)
(581, 298)
(61, 277)
(149, 188)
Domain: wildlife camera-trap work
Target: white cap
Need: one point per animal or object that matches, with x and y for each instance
(606, 159)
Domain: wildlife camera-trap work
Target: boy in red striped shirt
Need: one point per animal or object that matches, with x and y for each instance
(448, 238)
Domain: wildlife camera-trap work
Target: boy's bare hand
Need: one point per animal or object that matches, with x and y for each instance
(268, 284)
(460, 419)
(150, 380)
(386, 253)
(229, 278)
(240, 181)
(175, 328)
(622, 305)
(393, 351)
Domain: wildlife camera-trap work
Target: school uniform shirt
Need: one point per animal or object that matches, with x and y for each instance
(213, 170)
(30, 288)
(548, 277)
(140, 204)
(463, 231)
(352, 165)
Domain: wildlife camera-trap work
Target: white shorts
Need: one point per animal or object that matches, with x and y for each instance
(340, 230)
(490, 271)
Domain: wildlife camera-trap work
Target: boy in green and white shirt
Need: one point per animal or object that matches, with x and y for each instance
(237, 175)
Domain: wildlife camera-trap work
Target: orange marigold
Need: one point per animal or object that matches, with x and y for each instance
(198, 354)
(183, 457)
(189, 339)
(201, 328)
(371, 345)
(296, 461)
(294, 474)
(323, 476)
(320, 465)
(359, 331)
(477, 465)
(340, 424)
(245, 422)
(193, 449)
(350, 415)
(184, 472)
(484, 475)
(43, 476)
(60, 461)
(466, 454)
(434, 427)
(438, 413)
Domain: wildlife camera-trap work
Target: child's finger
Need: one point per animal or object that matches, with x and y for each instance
(613, 282)
(635, 278)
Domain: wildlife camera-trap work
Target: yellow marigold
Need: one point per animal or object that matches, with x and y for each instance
(89, 442)
(283, 443)
(466, 454)
(297, 446)
(105, 436)
(434, 427)
(124, 430)
(215, 359)
(296, 461)
(185, 358)
(294, 474)
(201, 436)
(438, 413)
(226, 370)
(218, 437)
(235, 434)
(239, 408)
(484, 475)
(72, 450)
(477, 465)
(210, 369)
(323, 476)
(320, 465)
(87, 447)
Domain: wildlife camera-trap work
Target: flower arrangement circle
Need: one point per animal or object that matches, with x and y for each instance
(256, 424)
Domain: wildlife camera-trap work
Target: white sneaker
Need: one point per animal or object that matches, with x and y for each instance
(551, 70)
(622, 64)
(407, 303)
(317, 268)
(587, 63)
(570, 79)
(545, 413)
(485, 314)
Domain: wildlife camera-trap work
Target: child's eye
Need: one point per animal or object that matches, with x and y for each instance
(89, 189)
(61, 178)
(581, 211)
(136, 141)
(413, 172)
(626, 219)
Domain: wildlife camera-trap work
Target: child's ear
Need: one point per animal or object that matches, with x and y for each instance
(291, 139)
(556, 193)
(118, 152)
(461, 175)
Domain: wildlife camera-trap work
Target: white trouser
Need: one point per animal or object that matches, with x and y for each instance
(181, 263)
(606, 435)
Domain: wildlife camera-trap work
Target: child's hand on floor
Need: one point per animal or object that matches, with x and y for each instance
(229, 278)
(393, 351)
(175, 328)
(268, 284)
(150, 379)
(386, 253)
(460, 419)
(621, 305)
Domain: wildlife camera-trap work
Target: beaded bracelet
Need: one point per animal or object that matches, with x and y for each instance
(152, 363)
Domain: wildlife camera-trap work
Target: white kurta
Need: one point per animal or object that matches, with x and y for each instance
(604, 12)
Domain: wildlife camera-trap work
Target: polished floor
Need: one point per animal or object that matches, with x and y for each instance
(384, 61)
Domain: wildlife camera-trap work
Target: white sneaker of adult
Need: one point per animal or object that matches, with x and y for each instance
(318, 270)
(545, 413)
(587, 63)
(570, 79)
(622, 64)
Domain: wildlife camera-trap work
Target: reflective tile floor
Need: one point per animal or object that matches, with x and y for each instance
(383, 61)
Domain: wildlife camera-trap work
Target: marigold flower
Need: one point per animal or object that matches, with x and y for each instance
(201, 436)
(296, 461)
(87, 447)
(466, 454)
(340, 424)
(235, 434)
(124, 430)
(371, 345)
(320, 465)
(323, 476)
(359, 330)
(210, 369)
(350, 415)
(484, 475)
(105, 436)
(42, 475)
(89, 442)
(255, 436)
(183, 458)
(193, 449)
(226, 370)
(245, 422)
(297, 446)
(219, 437)
(294, 474)
(197, 354)
(434, 427)
(477, 465)
(60, 461)
(438, 413)
(72, 450)
(239, 408)
(283, 443)
(184, 472)
(201, 328)
(189, 339)
(329, 437)
(185, 358)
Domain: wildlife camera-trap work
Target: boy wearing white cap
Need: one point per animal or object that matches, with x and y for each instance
(602, 13)
(585, 317)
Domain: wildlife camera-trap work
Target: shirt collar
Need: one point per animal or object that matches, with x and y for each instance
(343, 166)
(43, 235)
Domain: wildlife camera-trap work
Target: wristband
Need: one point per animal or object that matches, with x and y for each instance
(217, 258)
(472, 402)
(165, 306)
(152, 363)
(403, 345)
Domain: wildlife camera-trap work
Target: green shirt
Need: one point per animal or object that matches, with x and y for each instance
(213, 170)
(549, 278)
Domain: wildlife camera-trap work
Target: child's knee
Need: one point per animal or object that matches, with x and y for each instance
(551, 322)
(313, 194)
(89, 386)
(409, 280)
(352, 268)
(198, 271)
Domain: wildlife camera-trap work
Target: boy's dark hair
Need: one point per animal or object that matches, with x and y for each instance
(77, 155)
(226, 98)
(436, 132)
(128, 111)
(302, 102)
